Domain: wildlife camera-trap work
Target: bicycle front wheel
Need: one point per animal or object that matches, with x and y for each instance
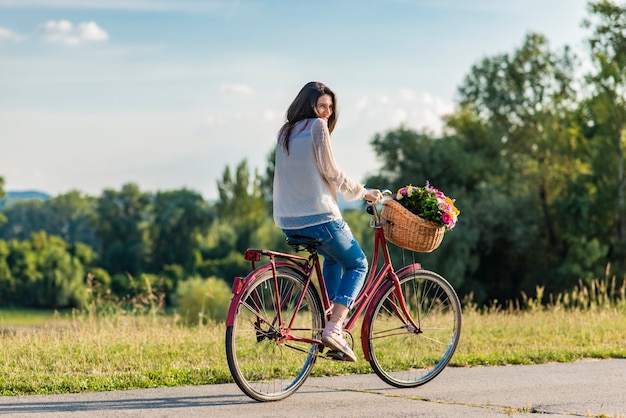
(267, 362)
(407, 355)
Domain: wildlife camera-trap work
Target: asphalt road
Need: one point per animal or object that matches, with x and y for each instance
(591, 388)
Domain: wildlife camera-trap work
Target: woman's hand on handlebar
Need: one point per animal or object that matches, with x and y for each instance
(373, 196)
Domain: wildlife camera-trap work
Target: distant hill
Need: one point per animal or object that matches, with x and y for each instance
(13, 197)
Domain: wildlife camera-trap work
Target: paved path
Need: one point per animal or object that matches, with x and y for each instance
(591, 388)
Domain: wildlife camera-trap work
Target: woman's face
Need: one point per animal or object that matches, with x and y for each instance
(324, 106)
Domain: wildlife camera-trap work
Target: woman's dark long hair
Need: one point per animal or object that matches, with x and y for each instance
(304, 107)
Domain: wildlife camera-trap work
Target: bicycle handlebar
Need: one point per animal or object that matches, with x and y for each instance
(372, 209)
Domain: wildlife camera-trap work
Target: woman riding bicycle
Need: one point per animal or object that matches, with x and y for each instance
(306, 183)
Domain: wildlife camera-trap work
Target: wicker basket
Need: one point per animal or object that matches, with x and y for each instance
(408, 230)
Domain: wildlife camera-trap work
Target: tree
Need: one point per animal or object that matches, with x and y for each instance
(409, 157)
(121, 224)
(2, 217)
(516, 160)
(241, 203)
(71, 217)
(180, 217)
(7, 281)
(68, 215)
(607, 110)
(24, 218)
(61, 280)
(526, 98)
(526, 103)
(40, 272)
(267, 181)
(220, 256)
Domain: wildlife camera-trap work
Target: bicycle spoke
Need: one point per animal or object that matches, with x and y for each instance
(264, 361)
(401, 354)
(386, 334)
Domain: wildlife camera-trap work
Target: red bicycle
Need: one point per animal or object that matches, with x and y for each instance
(409, 331)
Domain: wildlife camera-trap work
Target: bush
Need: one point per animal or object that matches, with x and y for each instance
(227, 268)
(199, 301)
(40, 273)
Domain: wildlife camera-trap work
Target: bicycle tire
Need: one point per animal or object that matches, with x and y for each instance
(401, 355)
(264, 364)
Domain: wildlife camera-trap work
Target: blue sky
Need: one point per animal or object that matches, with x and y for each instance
(98, 93)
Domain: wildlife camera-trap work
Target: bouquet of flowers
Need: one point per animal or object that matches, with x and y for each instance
(429, 203)
(417, 217)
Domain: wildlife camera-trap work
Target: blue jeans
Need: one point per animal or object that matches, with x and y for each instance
(342, 254)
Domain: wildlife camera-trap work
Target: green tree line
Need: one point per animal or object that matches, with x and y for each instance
(126, 241)
(533, 154)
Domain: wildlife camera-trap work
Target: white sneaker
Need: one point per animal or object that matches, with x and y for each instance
(332, 337)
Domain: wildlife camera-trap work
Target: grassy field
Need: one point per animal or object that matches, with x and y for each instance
(29, 317)
(47, 354)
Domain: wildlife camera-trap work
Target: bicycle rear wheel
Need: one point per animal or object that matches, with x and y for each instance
(402, 355)
(264, 362)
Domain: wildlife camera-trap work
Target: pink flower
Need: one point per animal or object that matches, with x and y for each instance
(416, 198)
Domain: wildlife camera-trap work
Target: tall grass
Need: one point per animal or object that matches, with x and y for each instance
(134, 343)
(597, 295)
(89, 353)
(589, 321)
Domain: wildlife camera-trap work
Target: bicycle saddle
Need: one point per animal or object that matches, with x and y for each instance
(302, 241)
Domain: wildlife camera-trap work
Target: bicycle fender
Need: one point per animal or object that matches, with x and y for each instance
(410, 268)
(369, 312)
(241, 283)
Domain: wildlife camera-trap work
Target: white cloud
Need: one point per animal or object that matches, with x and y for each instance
(390, 109)
(64, 32)
(90, 31)
(241, 90)
(9, 35)
(407, 94)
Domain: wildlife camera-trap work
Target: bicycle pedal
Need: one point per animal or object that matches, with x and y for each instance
(336, 355)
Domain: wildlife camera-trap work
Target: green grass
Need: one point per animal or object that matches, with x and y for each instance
(29, 317)
(540, 337)
(90, 354)
(48, 353)
(96, 354)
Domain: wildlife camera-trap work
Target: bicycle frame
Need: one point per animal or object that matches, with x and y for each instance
(377, 282)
